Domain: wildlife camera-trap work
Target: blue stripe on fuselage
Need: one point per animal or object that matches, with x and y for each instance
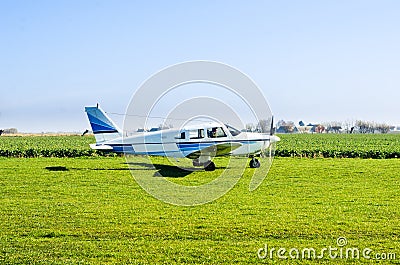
(184, 148)
(188, 148)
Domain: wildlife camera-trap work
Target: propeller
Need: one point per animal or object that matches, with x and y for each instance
(271, 131)
(266, 156)
(273, 139)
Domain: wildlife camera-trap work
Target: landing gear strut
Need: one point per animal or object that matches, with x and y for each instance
(208, 165)
(254, 163)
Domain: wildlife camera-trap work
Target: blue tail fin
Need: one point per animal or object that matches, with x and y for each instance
(102, 126)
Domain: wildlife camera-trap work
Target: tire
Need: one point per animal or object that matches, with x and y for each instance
(209, 166)
(254, 163)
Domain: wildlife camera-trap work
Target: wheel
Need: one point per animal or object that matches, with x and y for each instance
(209, 166)
(254, 163)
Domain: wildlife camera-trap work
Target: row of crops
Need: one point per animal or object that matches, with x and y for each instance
(47, 146)
(297, 145)
(377, 146)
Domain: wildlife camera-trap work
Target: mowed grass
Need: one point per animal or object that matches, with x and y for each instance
(91, 211)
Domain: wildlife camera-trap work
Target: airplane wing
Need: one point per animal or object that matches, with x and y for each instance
(217, 149)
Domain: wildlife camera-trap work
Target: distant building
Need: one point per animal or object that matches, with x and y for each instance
(285, 129)
(394, 129)
(305, 129)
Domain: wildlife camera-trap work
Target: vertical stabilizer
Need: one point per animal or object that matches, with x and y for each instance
(103, 127)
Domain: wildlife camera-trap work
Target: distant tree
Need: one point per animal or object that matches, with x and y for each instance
(362, 126)
(333, 126)
(1, 132)
(263, 126)
(250, 127)
(286, 126)
(280, 123)
(365, 126)
(162, 127)
(348, 125)
(382, 128)
(10, 131)
(371, 127)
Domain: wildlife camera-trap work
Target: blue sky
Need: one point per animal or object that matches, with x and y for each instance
(315, 61)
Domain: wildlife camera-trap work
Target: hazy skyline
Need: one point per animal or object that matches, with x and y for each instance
(315, 61)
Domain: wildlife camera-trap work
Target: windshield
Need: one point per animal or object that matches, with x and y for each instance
(232, 130)
(215, 132)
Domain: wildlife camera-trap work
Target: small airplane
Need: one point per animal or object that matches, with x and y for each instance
(200, 142)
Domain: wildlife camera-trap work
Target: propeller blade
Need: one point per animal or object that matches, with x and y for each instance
(271, 131)
(266, 158)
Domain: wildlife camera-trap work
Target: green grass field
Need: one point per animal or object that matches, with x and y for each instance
(91, 211)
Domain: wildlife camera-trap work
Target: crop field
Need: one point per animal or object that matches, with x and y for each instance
(296, 145)
(46, 146)
(340, 145)
(88, 209)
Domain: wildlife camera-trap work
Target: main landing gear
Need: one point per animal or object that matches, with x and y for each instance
(254, 163)
(208, 165)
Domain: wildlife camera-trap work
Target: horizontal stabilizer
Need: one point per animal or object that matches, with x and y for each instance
(101, 147)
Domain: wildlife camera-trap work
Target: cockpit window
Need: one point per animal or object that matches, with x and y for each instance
(232, 130)
(196, 134)
(180, 136)
(215, 132)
